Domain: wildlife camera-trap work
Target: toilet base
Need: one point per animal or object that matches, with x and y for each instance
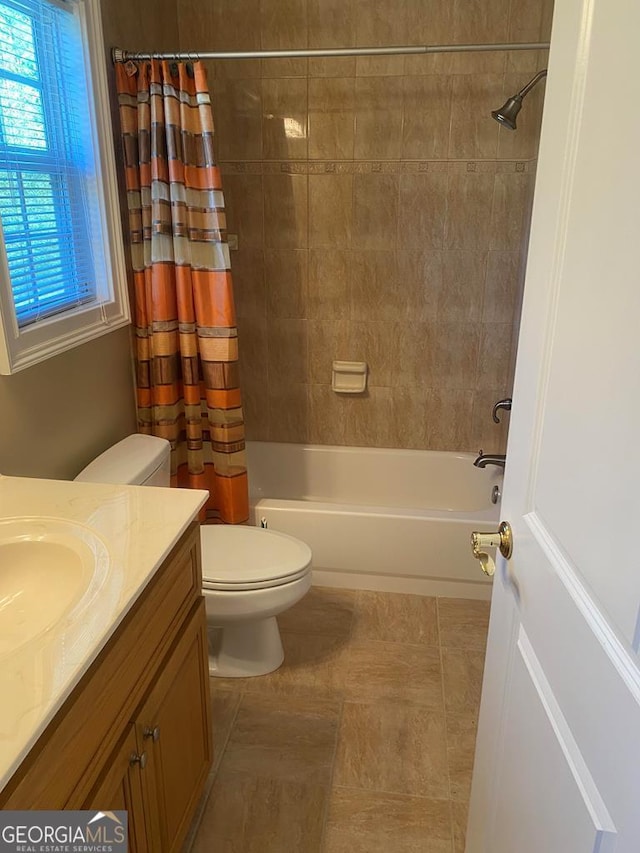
(246, 648)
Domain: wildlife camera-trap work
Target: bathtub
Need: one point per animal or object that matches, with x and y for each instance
(388, 520)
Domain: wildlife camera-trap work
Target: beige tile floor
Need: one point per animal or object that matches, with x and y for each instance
(361, 742)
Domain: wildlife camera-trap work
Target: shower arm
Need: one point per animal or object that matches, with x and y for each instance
(526, 89)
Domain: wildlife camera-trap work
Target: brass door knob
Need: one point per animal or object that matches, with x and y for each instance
(502, 539)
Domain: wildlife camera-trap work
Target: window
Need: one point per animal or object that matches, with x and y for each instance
(62, 269)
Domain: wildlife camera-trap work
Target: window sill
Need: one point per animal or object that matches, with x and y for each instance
(27, 348)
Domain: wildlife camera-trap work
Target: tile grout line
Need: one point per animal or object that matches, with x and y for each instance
(386, 793)
(209, 785)
(330, 787)
(230, 730)
(356, 601)
(310, 425)
(453, 832)
(446, 728)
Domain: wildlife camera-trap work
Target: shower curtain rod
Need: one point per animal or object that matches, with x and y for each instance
(120, 55)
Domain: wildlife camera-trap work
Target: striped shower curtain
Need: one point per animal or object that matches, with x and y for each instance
(185, 327)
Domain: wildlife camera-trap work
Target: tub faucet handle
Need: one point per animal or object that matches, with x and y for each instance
(501, 404)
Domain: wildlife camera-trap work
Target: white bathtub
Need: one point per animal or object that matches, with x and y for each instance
(390, 520)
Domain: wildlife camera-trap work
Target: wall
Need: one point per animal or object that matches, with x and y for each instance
(381, 213)
(58, 415)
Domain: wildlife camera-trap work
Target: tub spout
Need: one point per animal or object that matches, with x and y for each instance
(485, 459)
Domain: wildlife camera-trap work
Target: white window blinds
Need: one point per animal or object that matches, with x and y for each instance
(49, 202)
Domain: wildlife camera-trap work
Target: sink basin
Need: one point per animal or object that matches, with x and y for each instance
(50, 569)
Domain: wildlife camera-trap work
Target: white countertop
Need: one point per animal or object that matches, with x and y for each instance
(139, 525)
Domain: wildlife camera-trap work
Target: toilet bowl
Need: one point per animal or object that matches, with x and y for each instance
(249, 574)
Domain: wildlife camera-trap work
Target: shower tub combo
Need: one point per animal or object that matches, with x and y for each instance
(389, 520)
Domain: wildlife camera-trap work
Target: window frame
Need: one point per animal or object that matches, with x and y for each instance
(23, 347)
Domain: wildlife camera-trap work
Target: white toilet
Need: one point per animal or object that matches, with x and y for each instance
(249, 574)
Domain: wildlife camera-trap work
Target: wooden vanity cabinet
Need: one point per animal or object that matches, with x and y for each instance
(135, 733)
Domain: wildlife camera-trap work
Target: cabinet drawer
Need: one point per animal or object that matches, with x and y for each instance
(66, 761)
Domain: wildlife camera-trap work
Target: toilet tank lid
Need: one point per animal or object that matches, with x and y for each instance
(129, 462)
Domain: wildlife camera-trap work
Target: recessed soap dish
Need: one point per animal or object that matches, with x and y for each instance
(349, 377)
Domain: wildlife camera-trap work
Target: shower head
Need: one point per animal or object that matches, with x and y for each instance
(508, 112)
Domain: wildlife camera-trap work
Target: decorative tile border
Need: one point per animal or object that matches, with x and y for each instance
(366, 167)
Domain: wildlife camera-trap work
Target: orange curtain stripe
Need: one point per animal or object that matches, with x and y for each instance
(229, 399)
(233, 498)
(213, 295)
(184, 293)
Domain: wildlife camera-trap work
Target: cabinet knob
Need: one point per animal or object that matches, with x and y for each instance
(153, 733)
(138, 759)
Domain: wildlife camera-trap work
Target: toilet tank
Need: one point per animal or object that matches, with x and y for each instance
(137, 460)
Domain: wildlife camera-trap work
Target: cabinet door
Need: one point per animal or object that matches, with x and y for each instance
(120, 787)
(175, 727)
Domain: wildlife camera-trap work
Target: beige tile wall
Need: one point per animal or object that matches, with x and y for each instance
(381, 214)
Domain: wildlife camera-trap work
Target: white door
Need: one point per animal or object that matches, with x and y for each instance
(558, 756)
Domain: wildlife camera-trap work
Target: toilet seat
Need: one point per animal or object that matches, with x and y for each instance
(232, 585)
(246, 558)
